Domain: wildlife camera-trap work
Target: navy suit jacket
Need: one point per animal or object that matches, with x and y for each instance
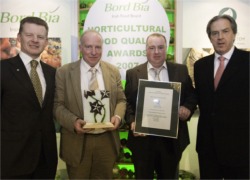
(176, 73)
(26, 128)
(224, 114)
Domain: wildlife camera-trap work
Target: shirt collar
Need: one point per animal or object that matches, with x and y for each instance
(226, 55)
(26, 58)
(86, 66)
(149, 66)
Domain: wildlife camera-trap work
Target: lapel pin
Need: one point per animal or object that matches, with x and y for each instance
(17, 69)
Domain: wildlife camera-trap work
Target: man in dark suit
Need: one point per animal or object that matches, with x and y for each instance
(223, 128)
(28, 139)
(154, 153)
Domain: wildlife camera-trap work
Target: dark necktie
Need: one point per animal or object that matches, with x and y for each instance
(93, 84)
(219, 71)
(36, 81)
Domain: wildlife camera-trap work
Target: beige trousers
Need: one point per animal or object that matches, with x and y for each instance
(99, 157)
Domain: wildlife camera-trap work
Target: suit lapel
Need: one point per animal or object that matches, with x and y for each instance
(76, 84)
(209, 72)
(107, 76)
(231, 68)
(19, 71)
(142, 72)
(171, 71)
(108, 79)
(49, 82)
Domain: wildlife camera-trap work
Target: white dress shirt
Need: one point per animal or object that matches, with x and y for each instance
(227, 56)
(26, 61)
(163, 73)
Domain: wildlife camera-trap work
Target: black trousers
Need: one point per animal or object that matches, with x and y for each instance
(210, 168)
(155, 157)
(42, 171)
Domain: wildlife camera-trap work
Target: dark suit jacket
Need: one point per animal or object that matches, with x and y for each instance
(26, 128)
(224, 114)
(177, 73)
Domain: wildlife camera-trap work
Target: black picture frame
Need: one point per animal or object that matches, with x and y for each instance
(175, 88)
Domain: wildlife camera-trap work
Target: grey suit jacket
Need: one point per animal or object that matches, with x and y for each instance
(68, 106)
(176, 73)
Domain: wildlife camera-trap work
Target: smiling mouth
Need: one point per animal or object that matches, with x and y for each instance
(34, 46)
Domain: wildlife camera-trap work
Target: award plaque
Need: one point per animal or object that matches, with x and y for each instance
(96, 109)
(98, 125)
(157, 108)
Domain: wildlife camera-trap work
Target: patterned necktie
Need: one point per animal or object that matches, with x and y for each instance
(93, 84)
(219, 71)
(36, 81)
(157, 73)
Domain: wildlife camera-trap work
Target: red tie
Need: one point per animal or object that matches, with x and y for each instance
(219, 71)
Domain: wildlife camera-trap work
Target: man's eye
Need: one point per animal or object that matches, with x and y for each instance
(214, 33)
(41, 37)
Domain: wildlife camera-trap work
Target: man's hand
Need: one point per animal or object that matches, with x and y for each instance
(136, 134)
(79, 126)
(116, 121)
(184, 113)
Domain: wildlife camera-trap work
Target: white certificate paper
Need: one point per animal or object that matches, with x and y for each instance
(156, 110)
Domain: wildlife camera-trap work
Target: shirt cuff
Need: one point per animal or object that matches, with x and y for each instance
(118, 117)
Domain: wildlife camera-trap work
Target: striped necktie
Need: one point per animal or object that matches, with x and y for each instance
(93, 84)
(36, 81)
(157, 73)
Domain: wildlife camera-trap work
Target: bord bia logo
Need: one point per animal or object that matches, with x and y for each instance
(49, 17)
(229, 11)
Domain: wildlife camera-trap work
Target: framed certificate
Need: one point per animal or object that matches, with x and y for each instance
(157, 108)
